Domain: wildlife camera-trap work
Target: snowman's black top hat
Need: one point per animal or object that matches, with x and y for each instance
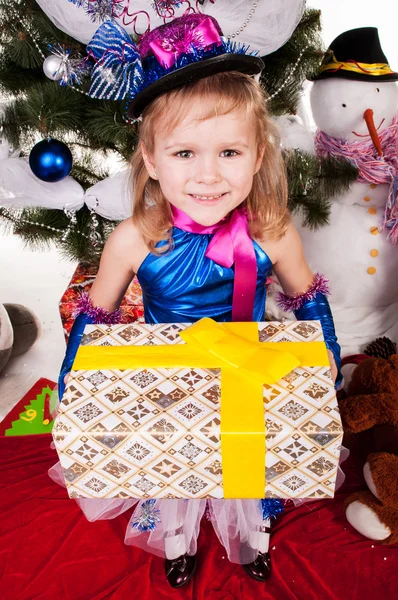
(356, 54)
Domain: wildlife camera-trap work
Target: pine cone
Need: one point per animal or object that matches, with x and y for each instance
(381, 348)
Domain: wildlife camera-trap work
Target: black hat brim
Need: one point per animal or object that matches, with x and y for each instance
(250, 65)
(342, 74)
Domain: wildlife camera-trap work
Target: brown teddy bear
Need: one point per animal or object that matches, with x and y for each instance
(371, 406)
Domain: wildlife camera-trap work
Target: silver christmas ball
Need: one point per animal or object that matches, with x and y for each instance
(53, 68)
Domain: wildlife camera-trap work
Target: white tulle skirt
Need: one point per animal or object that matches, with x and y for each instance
(239, 524)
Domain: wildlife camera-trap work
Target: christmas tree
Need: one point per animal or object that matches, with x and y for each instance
(95, 130)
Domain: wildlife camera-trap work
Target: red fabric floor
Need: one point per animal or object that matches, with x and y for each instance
(48, 551)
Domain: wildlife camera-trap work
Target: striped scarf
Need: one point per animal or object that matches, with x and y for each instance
(372, 167)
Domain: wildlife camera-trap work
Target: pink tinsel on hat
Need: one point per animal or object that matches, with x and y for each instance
(175, 31)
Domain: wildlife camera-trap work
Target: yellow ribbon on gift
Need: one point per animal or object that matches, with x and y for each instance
(246, 364)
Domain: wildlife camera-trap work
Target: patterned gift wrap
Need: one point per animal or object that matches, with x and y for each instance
(155, 433)
(82, 280)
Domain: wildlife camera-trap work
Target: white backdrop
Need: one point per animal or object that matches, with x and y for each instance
(341, 15)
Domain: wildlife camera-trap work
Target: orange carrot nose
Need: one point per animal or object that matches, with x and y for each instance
(368, 116)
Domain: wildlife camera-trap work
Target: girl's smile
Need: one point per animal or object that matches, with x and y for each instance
(208, 200)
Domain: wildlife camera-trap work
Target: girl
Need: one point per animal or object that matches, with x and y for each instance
(209, 223)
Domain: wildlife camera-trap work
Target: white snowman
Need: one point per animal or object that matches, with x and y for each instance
(354, 101)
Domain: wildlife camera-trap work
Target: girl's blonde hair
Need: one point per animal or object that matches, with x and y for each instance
(221, 93)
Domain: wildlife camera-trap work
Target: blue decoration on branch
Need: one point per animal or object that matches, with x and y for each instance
(50, 160)
(149, 517)
(118, 67)
(70, 70)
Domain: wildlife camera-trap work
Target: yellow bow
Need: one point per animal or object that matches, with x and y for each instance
(245, 363)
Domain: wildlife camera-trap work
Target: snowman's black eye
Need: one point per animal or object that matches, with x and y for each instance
(344, 105)
(377, 90)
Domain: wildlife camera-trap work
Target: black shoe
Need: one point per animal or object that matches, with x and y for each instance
(259, 569)
(180, 570)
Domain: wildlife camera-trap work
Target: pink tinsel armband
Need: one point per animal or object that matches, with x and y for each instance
(98, 314)
(291, 303)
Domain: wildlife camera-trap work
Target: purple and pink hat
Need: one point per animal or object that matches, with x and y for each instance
(185, 50)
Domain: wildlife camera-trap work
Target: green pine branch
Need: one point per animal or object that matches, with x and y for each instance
(36, 227)
(313, 182)
(87, 172)
(51, 108)
(106, 125)
(279, 65)
(15, 80)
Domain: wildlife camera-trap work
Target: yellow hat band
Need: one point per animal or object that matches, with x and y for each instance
(374, 69)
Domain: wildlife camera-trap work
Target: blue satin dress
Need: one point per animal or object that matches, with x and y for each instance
(183, 285)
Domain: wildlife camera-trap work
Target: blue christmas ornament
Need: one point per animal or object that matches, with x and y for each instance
(50, 160)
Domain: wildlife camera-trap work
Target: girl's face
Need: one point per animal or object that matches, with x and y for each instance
(206, 168)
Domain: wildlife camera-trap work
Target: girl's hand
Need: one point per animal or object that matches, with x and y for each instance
(332, 365)
(66, 378)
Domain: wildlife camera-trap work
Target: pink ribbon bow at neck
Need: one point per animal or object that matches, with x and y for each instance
(168, 50)
(230, 245)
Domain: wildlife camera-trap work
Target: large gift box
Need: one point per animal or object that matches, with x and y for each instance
(82, 280)
(182, 411)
